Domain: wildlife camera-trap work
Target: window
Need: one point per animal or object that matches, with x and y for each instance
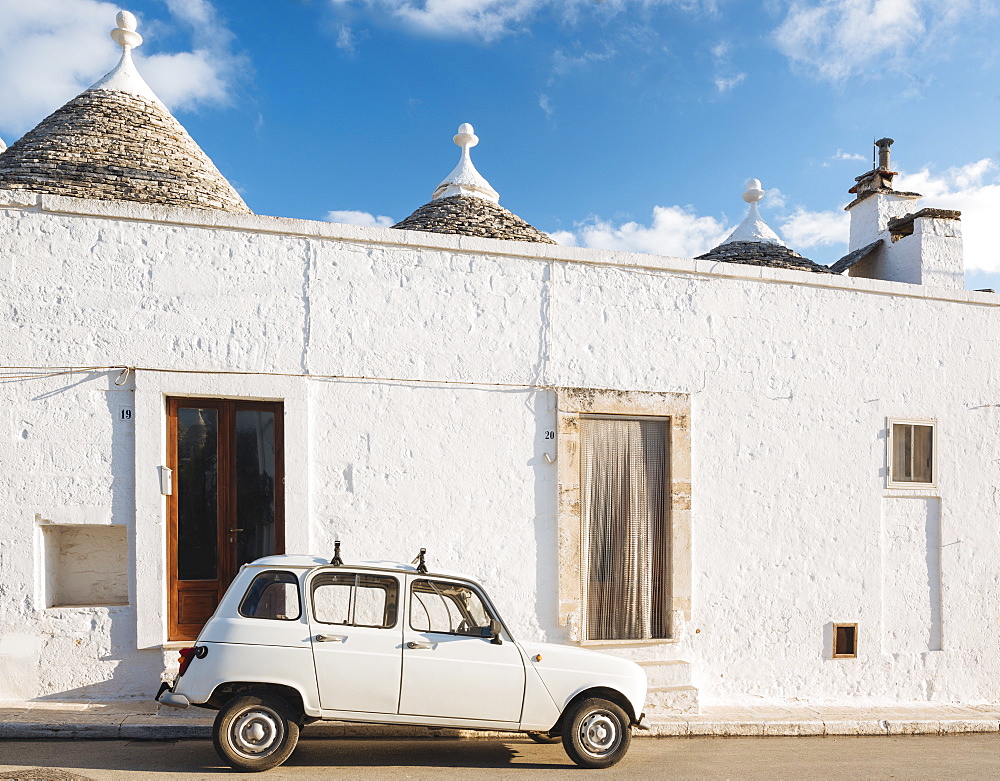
(353, 599)
(912, 457)
(625, 492)
(845, 641)
(447, 608)
(273, 595)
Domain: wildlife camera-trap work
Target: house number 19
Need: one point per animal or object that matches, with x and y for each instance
(126, 414)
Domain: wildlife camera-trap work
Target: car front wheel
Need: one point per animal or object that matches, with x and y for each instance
(255, 733)
(596, 733)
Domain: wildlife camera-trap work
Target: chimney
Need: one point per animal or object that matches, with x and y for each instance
(901, 243)
(875, 201)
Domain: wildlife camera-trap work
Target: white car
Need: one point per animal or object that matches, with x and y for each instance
(297, 639)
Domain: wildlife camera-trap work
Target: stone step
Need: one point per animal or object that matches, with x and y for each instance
(671, 700)
(675, 672)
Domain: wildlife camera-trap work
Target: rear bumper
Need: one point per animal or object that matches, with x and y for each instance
(167, 696)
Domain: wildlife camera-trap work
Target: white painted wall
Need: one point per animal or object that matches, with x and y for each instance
(791, 378)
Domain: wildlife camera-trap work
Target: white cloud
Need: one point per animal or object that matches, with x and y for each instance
(360, 218)
(804, 229)
(725, 75)
(563, 63)
(485, 19)
(345, 39)
(723, 85)
(545, 104)
(836, 39)
(51, 50)
(842, 155)
(775, 200)
(489, 20)
(675, 230)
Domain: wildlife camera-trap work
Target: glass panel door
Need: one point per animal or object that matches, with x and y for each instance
(227, 504)
(256, 479)
(197, 480)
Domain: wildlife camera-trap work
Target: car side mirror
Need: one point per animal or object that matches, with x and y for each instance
(494, 630)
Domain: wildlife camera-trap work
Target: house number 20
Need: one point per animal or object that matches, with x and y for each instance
(550, 435)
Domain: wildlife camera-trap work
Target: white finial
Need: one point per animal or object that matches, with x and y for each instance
(753, 193)
(466, 137)
(125, 77)
(753, 228)
(3, 146)
(465, 179)
(124, 34)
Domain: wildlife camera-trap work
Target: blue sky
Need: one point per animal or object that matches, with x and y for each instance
(627, 124)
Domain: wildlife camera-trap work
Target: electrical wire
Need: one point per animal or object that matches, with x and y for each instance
(124, 372)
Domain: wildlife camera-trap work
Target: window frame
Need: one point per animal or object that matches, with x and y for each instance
(315, 582)
(491, 613)
(258, 576)
(891, 423)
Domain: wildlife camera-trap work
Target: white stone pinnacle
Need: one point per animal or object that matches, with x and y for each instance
(3, 146)
(125, 77)
(465, 179)
(753, 228)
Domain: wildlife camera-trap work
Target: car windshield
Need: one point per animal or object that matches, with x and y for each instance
(439, 606)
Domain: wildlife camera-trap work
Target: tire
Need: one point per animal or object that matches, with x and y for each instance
(596, 733)
(255, 733)
(543, 737)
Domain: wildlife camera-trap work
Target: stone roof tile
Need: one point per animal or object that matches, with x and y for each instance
(760, 253)
(470, 216)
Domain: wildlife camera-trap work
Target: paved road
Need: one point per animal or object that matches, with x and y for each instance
(918, 757)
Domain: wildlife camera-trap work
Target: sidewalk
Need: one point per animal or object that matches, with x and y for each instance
(144, 720)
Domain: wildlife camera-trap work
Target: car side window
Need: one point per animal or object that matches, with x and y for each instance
(272, 595)
(447, 608)
(353, 599)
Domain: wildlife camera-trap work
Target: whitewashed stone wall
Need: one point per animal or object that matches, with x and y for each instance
(790, 378)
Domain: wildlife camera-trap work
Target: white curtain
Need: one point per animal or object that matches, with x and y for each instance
(624, 484)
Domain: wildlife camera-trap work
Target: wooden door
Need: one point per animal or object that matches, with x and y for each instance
(227, 505)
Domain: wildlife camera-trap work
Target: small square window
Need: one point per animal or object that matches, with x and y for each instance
(845, 641)
(912, 456)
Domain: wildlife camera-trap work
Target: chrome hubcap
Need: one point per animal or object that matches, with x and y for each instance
(599, 733)
(256, 732)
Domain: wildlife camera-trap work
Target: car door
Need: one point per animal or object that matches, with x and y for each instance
(356, 639)
(451, 666)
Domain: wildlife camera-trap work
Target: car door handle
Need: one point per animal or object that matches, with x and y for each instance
(330, 638)
(417, 646)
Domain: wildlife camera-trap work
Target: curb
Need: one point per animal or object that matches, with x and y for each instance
(126, 730)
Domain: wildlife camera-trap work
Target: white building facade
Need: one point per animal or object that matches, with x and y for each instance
(765, 484)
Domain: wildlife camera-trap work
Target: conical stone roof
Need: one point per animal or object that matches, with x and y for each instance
(470, 216)
(465, 204)
(753, 243)
(116, 141)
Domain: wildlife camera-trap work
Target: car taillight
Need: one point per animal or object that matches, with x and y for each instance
(187, 654)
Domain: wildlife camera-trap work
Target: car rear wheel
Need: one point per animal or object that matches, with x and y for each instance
(255, 733)
(596, 733)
